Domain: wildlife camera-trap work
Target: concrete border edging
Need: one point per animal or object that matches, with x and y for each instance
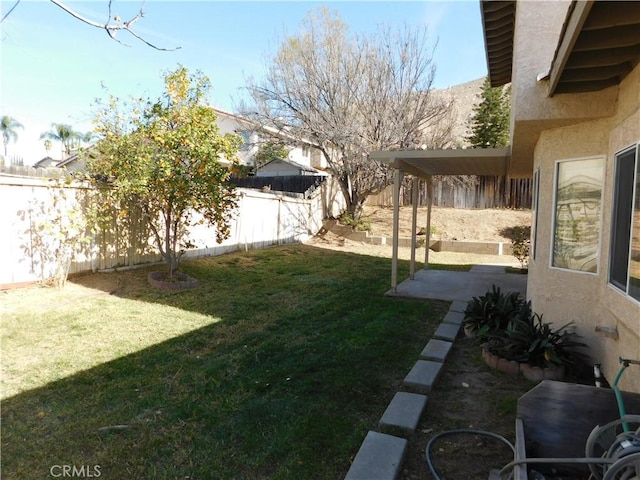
(381, 455)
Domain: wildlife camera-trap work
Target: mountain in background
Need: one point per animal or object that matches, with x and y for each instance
(465, 96)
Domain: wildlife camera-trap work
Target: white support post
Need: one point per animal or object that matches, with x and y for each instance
(428, 232)
(414, 223)
(396, 222)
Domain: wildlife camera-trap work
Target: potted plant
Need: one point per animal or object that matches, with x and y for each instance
(541, 351)
(521, 246)
(489, 312)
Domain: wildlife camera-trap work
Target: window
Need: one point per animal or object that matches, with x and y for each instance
(624, 261)
(536, 195)
(577, 219)
(306, 151)
(246, 140)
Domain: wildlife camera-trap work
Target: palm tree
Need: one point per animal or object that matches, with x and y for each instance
(9, 126)
(62, 133)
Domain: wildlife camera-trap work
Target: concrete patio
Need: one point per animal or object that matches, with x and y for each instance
(449, 286)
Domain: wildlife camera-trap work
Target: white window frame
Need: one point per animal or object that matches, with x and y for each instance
(536, 209)
(552, 256)
(634, 197)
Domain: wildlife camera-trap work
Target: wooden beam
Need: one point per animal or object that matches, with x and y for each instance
(600, 58)
(613, 14)
(604, 38)
(580, 87)
(573, 27)
(588, 74)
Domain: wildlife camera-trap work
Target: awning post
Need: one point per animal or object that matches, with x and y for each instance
(396, 222)
(428, 232)
(414, 223)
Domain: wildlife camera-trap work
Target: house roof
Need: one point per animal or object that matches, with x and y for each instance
(470, 161)
(300, 166)
(599, 44)
(45, 162)
(498, 22)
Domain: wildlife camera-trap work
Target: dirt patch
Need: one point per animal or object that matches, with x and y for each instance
(488, 225)
(468, 395)
(483, 225)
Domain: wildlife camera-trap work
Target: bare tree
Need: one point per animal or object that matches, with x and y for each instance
(112, 26)
(350, 94)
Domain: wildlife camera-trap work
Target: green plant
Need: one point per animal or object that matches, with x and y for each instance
(168, 159)
(527, 339)
(360, 224)
(491, 311)
(266, 360)
(423, 230)
(58, 231)
(521, 244)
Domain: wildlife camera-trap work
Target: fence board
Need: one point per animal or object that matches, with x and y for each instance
(262, 219)
(489, 192)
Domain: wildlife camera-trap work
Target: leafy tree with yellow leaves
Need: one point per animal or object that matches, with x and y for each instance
(168, 159)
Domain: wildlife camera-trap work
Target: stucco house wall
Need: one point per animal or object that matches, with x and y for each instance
(608, 320)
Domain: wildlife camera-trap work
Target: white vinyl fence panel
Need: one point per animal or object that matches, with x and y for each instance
(261, 219)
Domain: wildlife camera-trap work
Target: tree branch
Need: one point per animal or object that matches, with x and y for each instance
(109, 27)
(10, 10)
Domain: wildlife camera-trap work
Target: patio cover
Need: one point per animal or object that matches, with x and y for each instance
(425, 164)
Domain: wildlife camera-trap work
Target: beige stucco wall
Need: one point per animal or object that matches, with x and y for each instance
(537, 30)
(587, 299)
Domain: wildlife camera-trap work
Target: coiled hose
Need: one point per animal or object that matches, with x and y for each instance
(432, 469)
(507, 468)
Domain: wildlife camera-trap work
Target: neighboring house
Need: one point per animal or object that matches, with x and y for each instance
(74, 162)
(279, 167)
(575, 75)
(46, 162)
(300, 151)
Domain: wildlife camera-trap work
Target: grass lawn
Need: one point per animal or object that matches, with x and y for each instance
(275, 366)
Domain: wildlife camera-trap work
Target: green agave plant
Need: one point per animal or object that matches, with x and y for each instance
(491, 312)
(527, 339)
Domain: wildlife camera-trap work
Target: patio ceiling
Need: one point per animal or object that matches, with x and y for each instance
(423, 163)
(498, 20)
(599, 46)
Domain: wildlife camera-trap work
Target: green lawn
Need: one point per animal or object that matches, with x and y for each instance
(275, 366)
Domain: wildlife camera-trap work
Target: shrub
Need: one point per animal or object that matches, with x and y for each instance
(491, 311)
(527, 339)
(521, 244)
(360, 224)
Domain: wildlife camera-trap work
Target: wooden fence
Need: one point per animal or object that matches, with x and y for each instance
(489, 192)
(32, 214)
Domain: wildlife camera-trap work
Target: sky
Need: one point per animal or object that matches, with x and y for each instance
(53, 67)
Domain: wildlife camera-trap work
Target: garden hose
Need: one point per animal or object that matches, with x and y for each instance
(432, 469)
(614, 445)
(616, 464)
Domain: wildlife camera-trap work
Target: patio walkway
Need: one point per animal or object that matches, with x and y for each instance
(450, 286)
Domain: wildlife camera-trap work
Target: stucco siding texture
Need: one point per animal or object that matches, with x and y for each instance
(598, 309)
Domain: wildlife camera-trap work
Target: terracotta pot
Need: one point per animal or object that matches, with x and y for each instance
(534, 374)
(510, 367)
(489, 358)
(556, 373)
(537, 374)
(469, 331)
(180, 281)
